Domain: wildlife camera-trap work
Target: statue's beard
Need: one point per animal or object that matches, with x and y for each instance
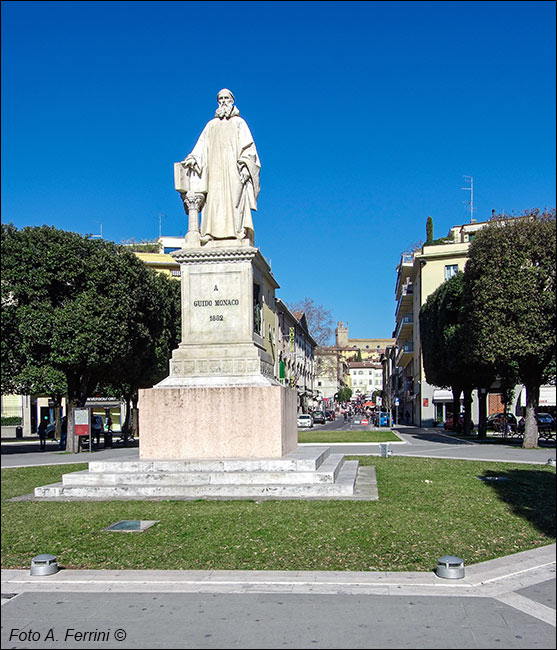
(225, 112)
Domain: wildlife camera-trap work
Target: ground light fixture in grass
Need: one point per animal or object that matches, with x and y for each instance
(321, 436)
(427, 508)
(130, 526)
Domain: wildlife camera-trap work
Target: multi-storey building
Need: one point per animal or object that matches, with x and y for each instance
(419, 273)
(334, 363)
(366, 377)
(359, 349)
(295, 355)
(331, 374)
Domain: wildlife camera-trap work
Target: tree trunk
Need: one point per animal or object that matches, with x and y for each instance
(135, 416)
(467, 410)
(482, 416)
(530, 422)
(78, 390)
(72, 443)
(456, 407)
(127, 420)
(57, 399)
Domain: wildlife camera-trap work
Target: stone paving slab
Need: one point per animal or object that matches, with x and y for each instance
(271, 621)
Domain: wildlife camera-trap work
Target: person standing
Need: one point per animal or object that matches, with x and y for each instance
(42, 433)
(63, 433)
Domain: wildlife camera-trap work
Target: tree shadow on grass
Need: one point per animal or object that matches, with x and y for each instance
(529, 492)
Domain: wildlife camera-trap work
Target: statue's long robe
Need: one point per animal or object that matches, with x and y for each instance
(222, 146)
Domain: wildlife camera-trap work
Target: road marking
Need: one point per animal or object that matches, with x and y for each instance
(528, 606)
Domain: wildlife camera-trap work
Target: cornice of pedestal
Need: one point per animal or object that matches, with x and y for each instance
(222, 252)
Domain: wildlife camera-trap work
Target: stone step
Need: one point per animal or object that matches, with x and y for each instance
(301, 459)
(343, 486)
(326, 473)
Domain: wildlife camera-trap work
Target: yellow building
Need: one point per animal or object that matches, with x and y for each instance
(359, 349)
(418, 275)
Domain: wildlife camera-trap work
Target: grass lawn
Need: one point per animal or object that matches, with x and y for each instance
(385, 435)
(413, 524)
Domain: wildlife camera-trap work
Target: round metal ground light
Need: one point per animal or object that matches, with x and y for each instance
(450, 566)
(44, 565)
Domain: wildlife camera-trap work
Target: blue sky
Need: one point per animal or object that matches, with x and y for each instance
(366, 117)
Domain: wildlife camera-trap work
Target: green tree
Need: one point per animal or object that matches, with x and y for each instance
(510, 301)
(73, 304)
(429, 230)
(445, 338)
(147, 364)
(344, 394)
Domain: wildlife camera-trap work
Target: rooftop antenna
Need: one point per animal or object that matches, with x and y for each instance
(470, 179)
(98, 236)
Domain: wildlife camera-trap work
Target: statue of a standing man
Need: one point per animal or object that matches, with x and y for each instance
(227, 167)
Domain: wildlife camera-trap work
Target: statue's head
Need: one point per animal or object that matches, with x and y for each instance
(226, 108)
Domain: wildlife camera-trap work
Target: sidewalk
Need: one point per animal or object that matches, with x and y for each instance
(503, 603)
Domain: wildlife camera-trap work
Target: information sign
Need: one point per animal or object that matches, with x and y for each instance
(81, 421)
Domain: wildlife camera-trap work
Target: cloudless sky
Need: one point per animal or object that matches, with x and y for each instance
(366, 117)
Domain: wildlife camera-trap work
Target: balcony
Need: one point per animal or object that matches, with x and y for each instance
(405, 300)
(405, 354)
(407, 289)
(404, 270)
(404, 326)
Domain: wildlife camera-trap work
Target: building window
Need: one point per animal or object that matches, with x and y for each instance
(175, 273)
(450, 270)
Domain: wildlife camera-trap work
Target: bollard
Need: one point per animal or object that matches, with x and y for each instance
(44, 565)
(450, 566)
(385, 450)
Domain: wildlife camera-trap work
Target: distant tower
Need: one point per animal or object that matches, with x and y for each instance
(341, 335)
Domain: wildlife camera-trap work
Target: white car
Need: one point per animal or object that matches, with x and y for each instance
(305, 421)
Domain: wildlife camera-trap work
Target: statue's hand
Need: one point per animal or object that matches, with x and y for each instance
(191, 163)
(244, 174)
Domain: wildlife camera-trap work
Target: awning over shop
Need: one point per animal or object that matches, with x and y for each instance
(547, 396)
(102, 402)
(442, 395)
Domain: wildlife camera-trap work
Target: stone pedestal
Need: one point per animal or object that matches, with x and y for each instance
(217, 422)
(220, 399)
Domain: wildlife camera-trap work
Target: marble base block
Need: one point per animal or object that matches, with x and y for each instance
(217, 422)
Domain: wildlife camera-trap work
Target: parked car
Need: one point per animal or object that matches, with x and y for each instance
(449, 422)
(51, 430)
(545, 423)
(495, 421)
(305, 421)
(383, 419)
(319, 417)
